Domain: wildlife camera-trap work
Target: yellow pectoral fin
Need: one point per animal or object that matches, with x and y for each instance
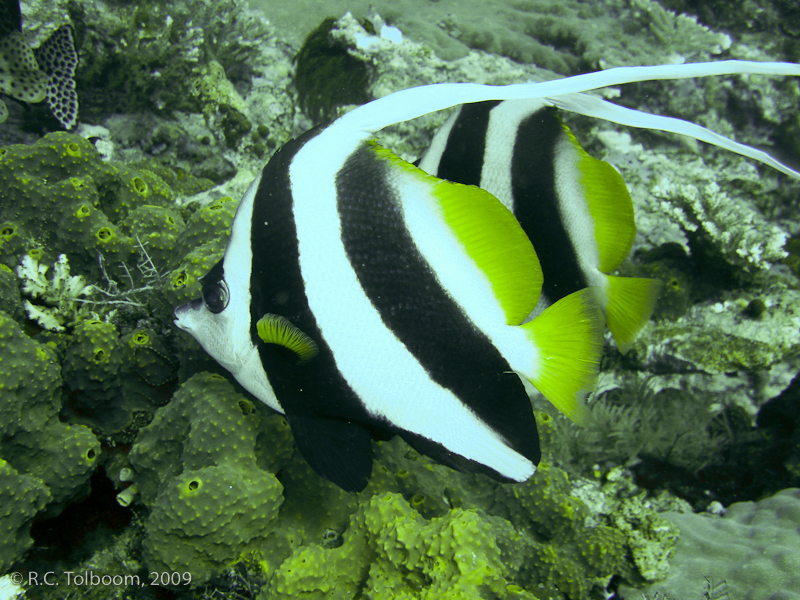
(275, 329)
(568, 337)
(631, 301)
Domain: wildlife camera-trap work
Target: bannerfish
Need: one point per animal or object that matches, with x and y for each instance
(575, 209)
(360, 296)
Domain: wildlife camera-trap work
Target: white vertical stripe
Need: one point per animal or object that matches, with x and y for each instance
(458, 274)
(238, 265)
(433, 155)
(501, 136)
(573, 209)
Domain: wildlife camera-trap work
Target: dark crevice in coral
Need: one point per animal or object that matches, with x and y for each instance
(63, 537)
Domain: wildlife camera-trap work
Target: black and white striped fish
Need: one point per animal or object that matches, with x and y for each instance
(360, 296)
(575, 209)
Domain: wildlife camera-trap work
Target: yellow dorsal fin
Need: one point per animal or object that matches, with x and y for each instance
(275, 329)
(490, 235)
(610, 206)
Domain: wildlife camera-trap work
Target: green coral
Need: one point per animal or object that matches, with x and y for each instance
(157, 229)
(229, 507)
(149, 55)
(419, 530)
(43, 460)
(10, 301)
(90, 370)
(183, 283)
(12, 244)
(21, 498)
(209, 223)
(196, 467)
(198, 248)
(71, 202)
(568, 555)
(149, 369)
(390, 551)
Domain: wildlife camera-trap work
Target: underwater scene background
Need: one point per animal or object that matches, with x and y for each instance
(133, 466)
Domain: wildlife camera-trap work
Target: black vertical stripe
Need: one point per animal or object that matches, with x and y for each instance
(462, 159)
(536, 204)
(413, 305)
(276, 286)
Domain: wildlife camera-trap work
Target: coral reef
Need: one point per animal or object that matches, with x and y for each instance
(212, 476)
(753, 547)
(150, 55)
(44, 463)
(418, 530)
(197, 470)
(65, 198)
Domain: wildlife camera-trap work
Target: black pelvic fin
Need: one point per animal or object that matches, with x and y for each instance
(339, 451)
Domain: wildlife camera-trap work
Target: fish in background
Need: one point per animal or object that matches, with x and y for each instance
(575, 209)
(362, 297)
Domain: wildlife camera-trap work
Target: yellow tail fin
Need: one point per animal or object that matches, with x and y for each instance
(631, 301)
(569, 339)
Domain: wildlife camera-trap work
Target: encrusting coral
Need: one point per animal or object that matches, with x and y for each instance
(214, 476)
(195, 463)
(211, 447)
(753, 547)
(44, 463)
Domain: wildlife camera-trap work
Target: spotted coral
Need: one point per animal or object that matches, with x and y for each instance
(44, 463)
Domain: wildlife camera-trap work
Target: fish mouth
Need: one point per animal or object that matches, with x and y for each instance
(182, 312)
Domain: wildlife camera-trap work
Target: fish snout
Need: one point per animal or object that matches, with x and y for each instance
(184, 310)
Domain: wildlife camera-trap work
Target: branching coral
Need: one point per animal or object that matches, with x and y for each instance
(641, 417)
(60, 298)
(148, 54)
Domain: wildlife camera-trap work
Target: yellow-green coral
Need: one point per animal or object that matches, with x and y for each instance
(209, 223)
(391, 552)
(229, 507)
(90, 370)
(196, 467)
(62, 194)
(21, 497)
(45, 463)
(419, 530)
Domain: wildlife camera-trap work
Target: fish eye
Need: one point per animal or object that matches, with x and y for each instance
(216, 296)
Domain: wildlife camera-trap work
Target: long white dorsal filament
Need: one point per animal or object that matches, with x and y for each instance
(595, 107)
(414, 102)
